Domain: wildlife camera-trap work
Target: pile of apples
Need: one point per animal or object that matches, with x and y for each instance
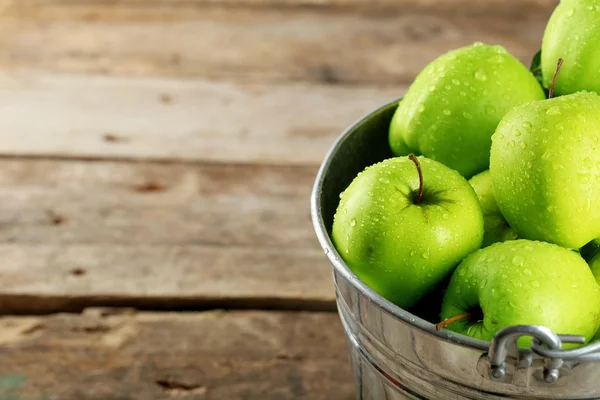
(488, 215)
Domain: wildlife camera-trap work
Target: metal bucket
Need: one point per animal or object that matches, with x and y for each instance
(397, 355)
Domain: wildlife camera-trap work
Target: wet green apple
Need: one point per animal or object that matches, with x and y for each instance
(545, 167)
(573, 33)
(522, 282)
(595, 267)
(496, 229)
(452, 108)
(404, 224)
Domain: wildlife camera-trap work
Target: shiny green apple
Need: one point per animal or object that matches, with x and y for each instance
(399, 243)
(523, 282)
(545, 167)
(452, 108)
(496, 229)
(573, 33)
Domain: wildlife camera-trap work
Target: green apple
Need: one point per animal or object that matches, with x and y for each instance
(573, 33)
(595, 266)
(398, 242)
(452, 108)
(522, 282)
(496, 229)
(545, 167)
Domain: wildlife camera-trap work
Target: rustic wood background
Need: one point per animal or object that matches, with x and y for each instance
(156, 162)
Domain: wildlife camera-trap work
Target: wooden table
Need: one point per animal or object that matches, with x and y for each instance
(157, 161)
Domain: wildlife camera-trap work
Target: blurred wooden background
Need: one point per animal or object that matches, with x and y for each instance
(156, 161)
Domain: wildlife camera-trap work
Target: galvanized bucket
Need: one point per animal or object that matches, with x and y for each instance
(397, 355)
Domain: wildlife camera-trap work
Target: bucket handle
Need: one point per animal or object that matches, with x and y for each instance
(545, 343)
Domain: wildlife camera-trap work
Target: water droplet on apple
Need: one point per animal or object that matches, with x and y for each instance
(518, 261)
(458, 290)
(523, 145)
(353, 222)
(384, 179)
(467, 115)
(421, 108)
(413, 252)
(571, 12)
(527, 271)
(527, 125)
(554, 110)
(478, 44)
(480, 75)
(429, 274)
(427, 253)
(493, 292)
(483, 284)
(497, 59)
(485, 92)
(448, 87)
(456, 82)
(587, 163)
(490, 109)
(447, 112)
(535, 284)
(583, 177)
(511, 143)
(506, 97)
(463, 93)
(432, 88)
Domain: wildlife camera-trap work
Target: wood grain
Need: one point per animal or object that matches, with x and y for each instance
(76, 202)
(381, 45)
(41, 279)
(58, 115)
(154, 235)
(143, 356)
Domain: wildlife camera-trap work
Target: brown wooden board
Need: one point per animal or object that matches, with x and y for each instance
(151, 234)
(200, 356)
(58, 115)
(333, 45)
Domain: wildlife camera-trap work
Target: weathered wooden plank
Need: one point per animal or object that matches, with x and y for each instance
(75, 233)
(118, 117)
(76, 202)
(333, 45)
(489, 6)
(147, 356)
(40, 279)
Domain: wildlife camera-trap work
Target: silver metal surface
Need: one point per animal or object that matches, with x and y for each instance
(397, 355)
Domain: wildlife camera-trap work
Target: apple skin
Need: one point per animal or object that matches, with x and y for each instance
(523, 282)
(400, 249)
(573, 33)
(545, 167)
(496, 229)
(452, 108)
(595, 267)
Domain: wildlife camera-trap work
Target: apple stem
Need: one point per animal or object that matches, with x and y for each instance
(551, 88)
(451, 320)
(419, 196)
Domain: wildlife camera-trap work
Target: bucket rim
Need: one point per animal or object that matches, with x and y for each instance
(340, 266)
